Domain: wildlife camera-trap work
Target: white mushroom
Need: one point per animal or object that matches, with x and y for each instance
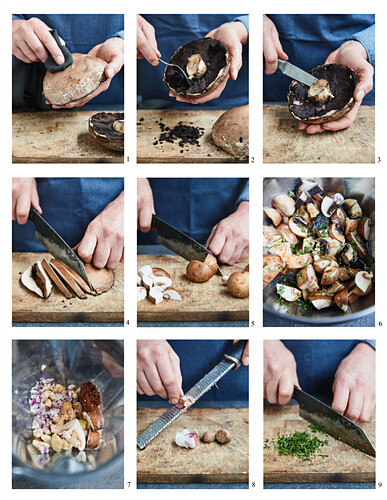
(141, 293)
(162, 281)
(352, 207)
(273, 215)
(144, 270)
(320, 301)
(155, 295)
(284, 204)
(363, 282)
(364, 228)
(328, 206)
(289, 293)
(171, 294)
(139, 281)
(299, 226)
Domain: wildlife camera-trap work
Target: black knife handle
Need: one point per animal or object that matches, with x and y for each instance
(32, 213)
(234, 352)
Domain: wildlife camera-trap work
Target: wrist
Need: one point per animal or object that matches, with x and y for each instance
(243, 207)
(242, 32)
(358, 47)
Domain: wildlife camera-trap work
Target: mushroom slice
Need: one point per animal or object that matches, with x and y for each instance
(271, 267)
(302, 212)
(271, 235)
(304, 185)
(365, 228)
(312, 207)
(299, 226)
(298, 261)
(171, 294)
(331, 274)
(320, 301)
(338, 217)
(288, 292)
(338, 198)
(139, 280)
(29, 282)
(352, 207)
(155, 294)
(283, 250)
(358, 243)
(141, 293)
(321, 264)
(56, 280)
(62, 272)
(308, 244)
(284, 204)
(273, 215)
(317, 194)
(147, 281)
(144, 270)
(287, 234)
(306, 279)
(346, 254)
(351, 226)
(335, 288)
(336, 232)
(341, 300)
(162, 281)
(85, 287)
(157, 271)
(301, 200)
(363, 281)
(328, 206)
(328, 246)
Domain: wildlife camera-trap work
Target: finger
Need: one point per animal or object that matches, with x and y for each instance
(143, 382)
(285, 388)
(139, 390)
(101, 253)
(168, 379)
(50, 44)
(365, 84)
(340, 397)
(122, 259)
(218, 241)
(86, 246)
(154, 379)
(114, 257)
(271, 390)
(22, 57)
(355, 405)
(226, 255)
(245, 355)
(36, 46)
(367, 409)
(149, 33)
(114, 66)
(145, 219)
(35, 200)
(343, 122)
(146, 49)
(303, 126)
(314, 129)
(270, 55)
(243, 255)
(176, 368)
(235, 50)
(209, 239)
(280, 52)
(23, 205)
(27, 51)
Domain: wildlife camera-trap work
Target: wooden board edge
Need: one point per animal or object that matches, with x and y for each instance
(34, 160)
(319, 477)
(68, 317)
(200, 316)
(176, 159)
(148, 478)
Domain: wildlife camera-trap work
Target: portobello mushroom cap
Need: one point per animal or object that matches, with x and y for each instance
(342, 82)
(101, 128)
(216, 58)
(78, 80)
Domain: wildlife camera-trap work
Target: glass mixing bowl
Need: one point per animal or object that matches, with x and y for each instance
(68, 362)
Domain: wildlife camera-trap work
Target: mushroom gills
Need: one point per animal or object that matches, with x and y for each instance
(320, 91)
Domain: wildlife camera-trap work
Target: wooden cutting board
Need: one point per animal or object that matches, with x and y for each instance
(162, 461)
(284, 143)
(344, 464)
(28, 307)
(208, 301)
(57, 137)
(148, 132)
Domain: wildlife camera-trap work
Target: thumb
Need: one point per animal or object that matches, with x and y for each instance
(236, 59)
(87, 246)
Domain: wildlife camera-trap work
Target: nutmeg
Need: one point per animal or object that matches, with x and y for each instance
(223, 436)
(208, 437)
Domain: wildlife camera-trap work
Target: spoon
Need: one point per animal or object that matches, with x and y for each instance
(178, 67)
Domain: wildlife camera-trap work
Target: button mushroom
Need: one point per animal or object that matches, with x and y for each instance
(288, 293)
(363, 281)
(200, 272)
(284, 204)
(274, 216)
(352, 207)
(287, 234)
(271, 267)
(238, 284)
(364, 228)
(306, 279)
(299, 226)
(298, 261)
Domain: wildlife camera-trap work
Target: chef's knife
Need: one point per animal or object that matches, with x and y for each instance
(328, 419)
(231, 361)
(298, 74)
(179, 242)
(57, 247)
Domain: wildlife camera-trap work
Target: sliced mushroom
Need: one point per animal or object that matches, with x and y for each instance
(274, 216)
(364, 228)
(299, 226)
(171, 294)
(56, 280)
(139, 280)
(141, 293)
(320, 301)
(317, 193)
(271, 267)
(306, 279)
(336, 232)
(302, 212)
(147, 281)
(321, 263)
(351, 226)
(155, 295)
(338, 198)
(301, 200)
(67, 278)
(352, 208)
(304, 185)
(312, 207)
(287, 234)
(298, 261)
(144, 270)
(288, 293)
(358, 243)
(282, 249)
(157, 271)
(331, 274)
(328, 206)
(328, 246)
(363, 281)
(27, 278)
(346, 254)
(270, 235)
(335, 287)
(338, 217)
(308, 244)
(284, 204)
(162, 281)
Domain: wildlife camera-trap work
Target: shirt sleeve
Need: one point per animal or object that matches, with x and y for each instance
(244, 196)
(119, 34)
(367, 39)
(244, 20)
(372, 343)
(18, 16)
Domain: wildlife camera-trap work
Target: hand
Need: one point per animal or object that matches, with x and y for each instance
(233, 35)
(229, 239)
(158, 370)
(351, 54)
(103, 242)
(146, 42)
(272, 48)
(245, 356)
(279, 372)
(111, 51)
(24, 194)
(145, 205)
(354, 384)
(33, 42)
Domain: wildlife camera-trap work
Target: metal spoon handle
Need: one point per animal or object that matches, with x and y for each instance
(176, 66)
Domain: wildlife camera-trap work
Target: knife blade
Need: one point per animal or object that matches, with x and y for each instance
(179, 242)
(230, 361)
(56, 245)
(298, 74)
(335, 424)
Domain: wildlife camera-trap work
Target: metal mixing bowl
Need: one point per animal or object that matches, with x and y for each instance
(363, 190)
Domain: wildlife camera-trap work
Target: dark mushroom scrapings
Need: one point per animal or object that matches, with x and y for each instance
(108, 130)
(330, 98)
(317, 250)
(206, 62)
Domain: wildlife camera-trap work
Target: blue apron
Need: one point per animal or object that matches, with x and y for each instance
(308, 39)
(172, 31)
(69, 205)
(82, 32)
(197, 358)
(317, 362)
(194, 206)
